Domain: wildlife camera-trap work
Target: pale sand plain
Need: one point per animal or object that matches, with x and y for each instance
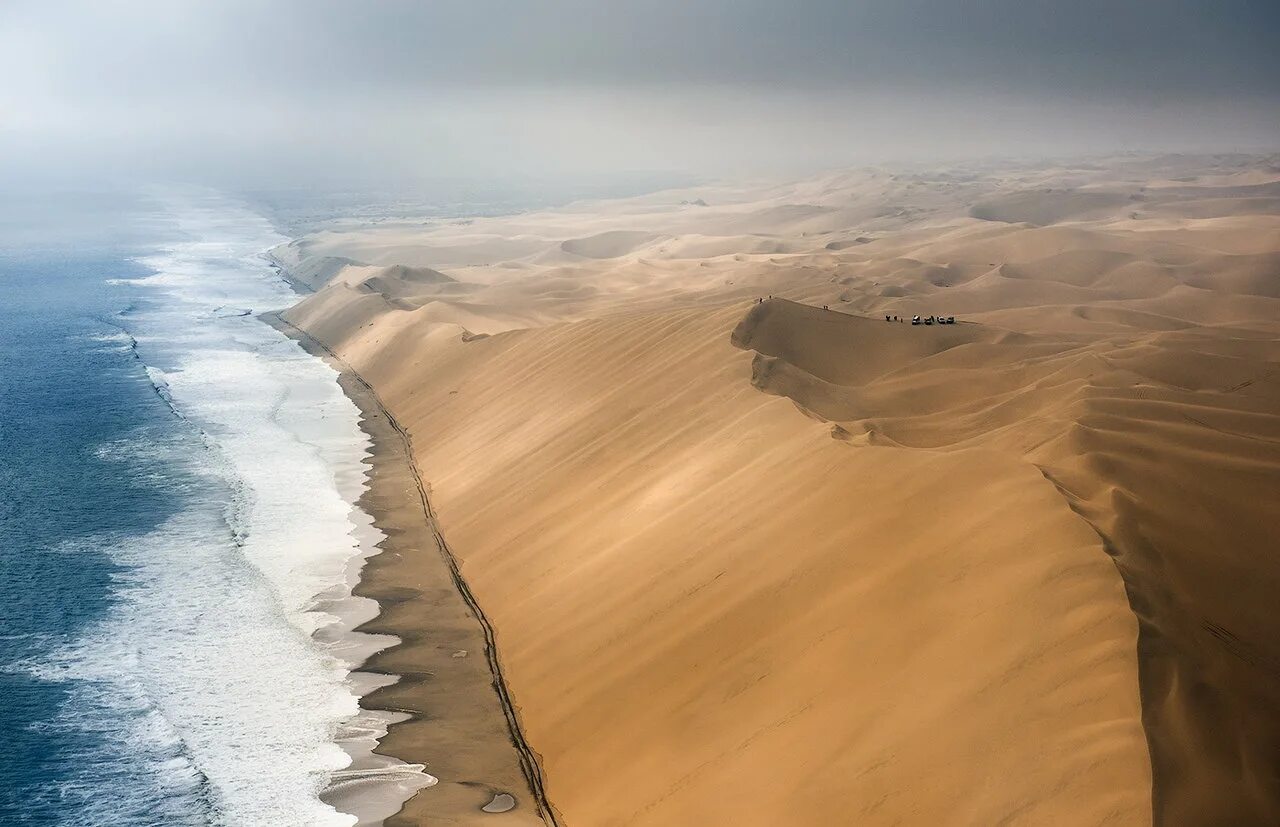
(765, 563)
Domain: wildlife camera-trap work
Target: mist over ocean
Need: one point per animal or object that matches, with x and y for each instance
(176, 487)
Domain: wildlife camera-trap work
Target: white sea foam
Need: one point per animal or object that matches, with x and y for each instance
(232, 644)
(119, 342)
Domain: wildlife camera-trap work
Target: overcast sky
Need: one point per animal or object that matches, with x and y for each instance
(300, 89)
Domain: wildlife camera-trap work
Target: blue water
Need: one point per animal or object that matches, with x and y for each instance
(70, 387)
(177, 523)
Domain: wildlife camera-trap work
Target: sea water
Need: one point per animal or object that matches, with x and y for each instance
(178, 533)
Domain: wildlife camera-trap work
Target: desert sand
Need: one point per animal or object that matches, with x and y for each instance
(753, 561)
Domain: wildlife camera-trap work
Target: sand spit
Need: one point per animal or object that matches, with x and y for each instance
(761, 562)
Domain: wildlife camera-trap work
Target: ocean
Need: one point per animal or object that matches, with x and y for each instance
(178, 530)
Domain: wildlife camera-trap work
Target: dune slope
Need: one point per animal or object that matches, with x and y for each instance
(698, 587)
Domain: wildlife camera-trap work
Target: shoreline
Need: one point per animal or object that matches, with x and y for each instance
(455, 714)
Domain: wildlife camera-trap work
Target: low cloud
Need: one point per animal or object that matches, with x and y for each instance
(301, 90)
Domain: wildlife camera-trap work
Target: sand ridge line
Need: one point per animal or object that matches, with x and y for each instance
(529, 760)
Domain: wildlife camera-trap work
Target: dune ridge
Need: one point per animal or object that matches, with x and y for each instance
(790, 564)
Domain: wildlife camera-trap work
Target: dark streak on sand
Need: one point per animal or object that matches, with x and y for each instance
(528, 759)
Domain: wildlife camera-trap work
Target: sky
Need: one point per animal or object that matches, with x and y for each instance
(303, 90)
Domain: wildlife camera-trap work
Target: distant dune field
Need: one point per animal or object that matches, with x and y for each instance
(753, 561)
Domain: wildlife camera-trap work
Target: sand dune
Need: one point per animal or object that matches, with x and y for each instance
(765, 563)
(1042, 207)
(311, 273)
(611, 244)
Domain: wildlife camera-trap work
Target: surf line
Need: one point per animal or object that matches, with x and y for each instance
(529, 762)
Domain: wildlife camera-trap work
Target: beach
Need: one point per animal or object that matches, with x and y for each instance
(743, 531)
(455, 723)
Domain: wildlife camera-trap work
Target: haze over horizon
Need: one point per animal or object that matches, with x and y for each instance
(291, 92)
